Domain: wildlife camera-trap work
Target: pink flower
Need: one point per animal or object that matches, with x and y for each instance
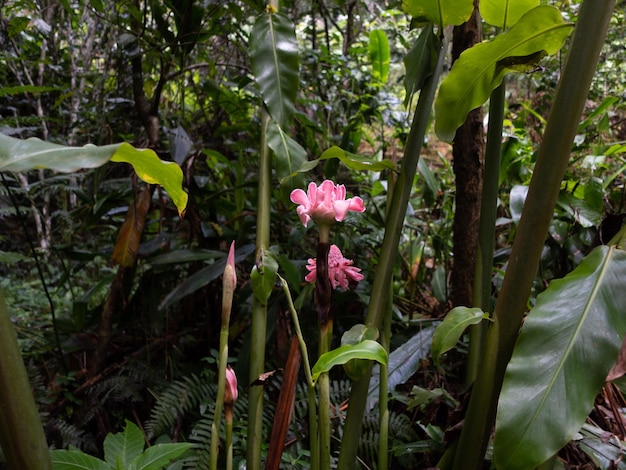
(325, 203)
(340, 269)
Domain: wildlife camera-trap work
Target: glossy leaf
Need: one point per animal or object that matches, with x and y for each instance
(30, 154)
(366, 349)
(380, 55)
(290, 155)
(357, 162)
(480, 69)
(124, 447)
(450, 330)
(567, 345)
(159, 455)
(505, 13)
(356, 368)
(420, 62)
(76, 460)
(274, 61)
(440, 12)
(263, 276)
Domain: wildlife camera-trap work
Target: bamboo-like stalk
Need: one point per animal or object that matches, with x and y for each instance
(487, 227)
(259, 310)
(552, 162)
(21, 434)
(383, 409)
(378, 306)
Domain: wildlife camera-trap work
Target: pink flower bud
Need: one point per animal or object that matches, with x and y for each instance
(230, 392)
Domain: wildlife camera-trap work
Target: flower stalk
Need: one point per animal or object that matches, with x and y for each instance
(224, 400)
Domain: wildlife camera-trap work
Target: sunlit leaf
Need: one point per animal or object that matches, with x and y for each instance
(366, 349)
(505, 13)
(567, 345)
(357, 162)
(440, 12)
(274, 61)
(30, 154)
(159, 455)
(125, 446)
(450, 330)
(76, 460)
(480, 69)
(380, 55)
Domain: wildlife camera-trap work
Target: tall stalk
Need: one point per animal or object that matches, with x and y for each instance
(552, 161)
(378, 306)
(487, 227)
(259, 309)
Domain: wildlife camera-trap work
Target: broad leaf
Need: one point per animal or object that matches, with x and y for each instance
(480, 69)
(157, 456)
(450, 330)
(357, 162)
(440, 12)
(290, 155)
(76, 460)
(380, 55)
(366, 349)
(356, 368)
(403, 362)
(30, 154)
(274, 61)
(567, 345)
(124, 446)
(263, 276)
(505, 13)
(420, 62)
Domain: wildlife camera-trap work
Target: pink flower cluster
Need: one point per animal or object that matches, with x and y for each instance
(325, 203)
(340, 269)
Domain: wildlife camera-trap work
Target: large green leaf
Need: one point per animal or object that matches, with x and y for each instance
(30, 154)
(567, 345)
(366, 349)
(125, 446)
(76, 460)
(505, 13)
(480, 69)
(440, 12)
(380, 55)
(274, 61)
(420, 61)
(158, 456)
(290, 155)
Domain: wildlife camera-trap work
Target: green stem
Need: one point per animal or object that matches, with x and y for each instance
(383, 409)
(543, 192)
(378, 306)
(486, 230)
(259, 310)
(21, 434)
(313, 437)
(219, 400)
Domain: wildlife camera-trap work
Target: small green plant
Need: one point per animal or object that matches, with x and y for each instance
(122, 451)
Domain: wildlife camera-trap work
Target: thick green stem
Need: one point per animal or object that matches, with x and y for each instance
(219, 400)
(21, 434)
(259, 310)
(544, 189)
(487, 228)
(383, 410)
(378, 306)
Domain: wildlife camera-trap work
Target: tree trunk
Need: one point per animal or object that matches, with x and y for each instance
(468, 152)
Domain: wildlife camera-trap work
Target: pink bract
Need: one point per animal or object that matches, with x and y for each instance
(230, 393)
(340, 269)
(325, 203)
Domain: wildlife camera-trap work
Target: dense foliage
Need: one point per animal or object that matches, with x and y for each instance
(117, 323)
